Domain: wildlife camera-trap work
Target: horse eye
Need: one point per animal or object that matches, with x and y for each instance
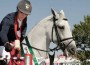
(61, 27)
(65, 19)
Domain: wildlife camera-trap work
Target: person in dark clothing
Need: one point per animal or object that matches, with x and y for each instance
(14, 25)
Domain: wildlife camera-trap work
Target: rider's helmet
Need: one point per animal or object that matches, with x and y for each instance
(24, 6)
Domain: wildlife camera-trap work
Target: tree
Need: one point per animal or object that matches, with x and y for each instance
(81, 33)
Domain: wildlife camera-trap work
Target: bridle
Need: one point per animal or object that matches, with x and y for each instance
(59, 40)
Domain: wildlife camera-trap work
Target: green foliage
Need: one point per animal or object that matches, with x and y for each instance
(81, 33)
(83, 55)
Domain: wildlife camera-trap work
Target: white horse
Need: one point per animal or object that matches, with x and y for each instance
(41, 34)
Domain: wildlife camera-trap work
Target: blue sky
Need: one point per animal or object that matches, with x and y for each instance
(74, 10)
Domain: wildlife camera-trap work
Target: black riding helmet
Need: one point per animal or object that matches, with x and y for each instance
(24, 6)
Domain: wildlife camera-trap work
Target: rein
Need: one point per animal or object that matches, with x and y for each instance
(38, 49)
(35, 48)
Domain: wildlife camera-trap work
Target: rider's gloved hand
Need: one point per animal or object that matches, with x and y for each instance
(8, 46)
(17, 45)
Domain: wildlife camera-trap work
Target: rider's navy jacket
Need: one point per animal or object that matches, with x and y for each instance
(7, 33)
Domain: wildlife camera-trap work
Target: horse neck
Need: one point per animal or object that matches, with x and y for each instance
(40, 35)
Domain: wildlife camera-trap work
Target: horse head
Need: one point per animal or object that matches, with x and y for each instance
(63, 33)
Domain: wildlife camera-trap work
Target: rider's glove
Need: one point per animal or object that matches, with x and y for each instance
(8, 47)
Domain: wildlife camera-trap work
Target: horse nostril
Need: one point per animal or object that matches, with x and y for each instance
(72, 51)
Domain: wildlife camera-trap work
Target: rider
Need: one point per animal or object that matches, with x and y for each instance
(14, 25)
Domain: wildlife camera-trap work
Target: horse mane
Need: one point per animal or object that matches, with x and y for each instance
(46, 18)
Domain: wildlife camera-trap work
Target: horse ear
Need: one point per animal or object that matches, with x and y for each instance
(55, 14)
(62, 13)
